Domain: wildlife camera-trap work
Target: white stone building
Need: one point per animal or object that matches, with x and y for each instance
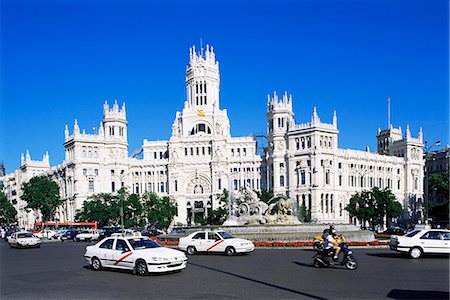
(305, 162)
(201, 159)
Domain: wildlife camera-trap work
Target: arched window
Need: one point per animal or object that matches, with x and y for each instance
(281, 180)
(200, 128)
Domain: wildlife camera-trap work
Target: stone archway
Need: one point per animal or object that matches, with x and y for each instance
(198, 198)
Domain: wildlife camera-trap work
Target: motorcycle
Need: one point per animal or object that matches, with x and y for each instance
(324, 258)
(318, 241)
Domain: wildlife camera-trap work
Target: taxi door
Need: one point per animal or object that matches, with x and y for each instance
(104, 252)
(121, 255)
(214, 243)
(199, 241)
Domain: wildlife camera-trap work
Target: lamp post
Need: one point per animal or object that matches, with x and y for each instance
(427, 200)
(121, 209)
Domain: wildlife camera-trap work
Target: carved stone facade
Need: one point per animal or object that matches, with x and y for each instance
(200, 159)
(305, 163)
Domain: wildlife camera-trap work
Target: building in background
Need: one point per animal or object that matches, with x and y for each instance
(305, 163)
(437, 201)
(201, 159)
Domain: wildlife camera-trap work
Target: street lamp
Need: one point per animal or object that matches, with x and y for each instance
(426, 151)
(121, 210)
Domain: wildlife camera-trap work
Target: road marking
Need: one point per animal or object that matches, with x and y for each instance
(122, 258)
(214, 245)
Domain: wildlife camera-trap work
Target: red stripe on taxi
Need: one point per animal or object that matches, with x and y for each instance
(214, 245)
(122, 258)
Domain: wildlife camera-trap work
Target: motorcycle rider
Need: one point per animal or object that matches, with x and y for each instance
(330, 242)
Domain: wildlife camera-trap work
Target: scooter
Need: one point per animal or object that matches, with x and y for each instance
(324, 258)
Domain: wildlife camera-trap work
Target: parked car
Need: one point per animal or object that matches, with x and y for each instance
(24, 239)
(87, 235)
(107, 231)
(59, 234)
(422, 241)
(127, 232)
(140, 254)
(390, 231)
(69, 235)
(46, 234)
(152, 233)
(211, 241)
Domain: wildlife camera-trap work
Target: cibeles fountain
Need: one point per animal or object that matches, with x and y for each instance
(276, 220)
(247, 209)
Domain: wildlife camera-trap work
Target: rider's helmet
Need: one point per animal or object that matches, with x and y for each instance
(333, 231)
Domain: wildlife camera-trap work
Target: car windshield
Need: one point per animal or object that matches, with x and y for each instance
(25, 235)
(412, 233)
(141, 243)
(225, 235)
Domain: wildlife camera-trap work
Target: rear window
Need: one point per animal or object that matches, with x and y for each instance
(25, 235)
(412, 233)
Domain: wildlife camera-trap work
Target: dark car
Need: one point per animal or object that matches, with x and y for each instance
(390, 231)
(150, 232)
(69, 235)
(107, 231)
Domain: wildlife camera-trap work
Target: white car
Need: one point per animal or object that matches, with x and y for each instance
(418, 242)
(140, 254)
(24, 239)
(214, 241)
(127, 233)
(87, 235)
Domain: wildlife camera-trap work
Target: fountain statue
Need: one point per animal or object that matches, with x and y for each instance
(247, 209)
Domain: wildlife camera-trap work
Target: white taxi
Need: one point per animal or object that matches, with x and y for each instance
(87, 235)
(24, 239)
(140, 254)
(418, 242)
(214, 241)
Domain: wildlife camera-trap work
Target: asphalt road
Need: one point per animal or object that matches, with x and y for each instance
(59, 271)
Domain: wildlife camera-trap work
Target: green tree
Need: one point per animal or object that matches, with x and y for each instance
(438, 190)
(362, 207)
(42, 194)
(100, 208)
(387, 207)
(265, 195)
(304, 214)
(7, 211)
(373, 207)
(439, 184)
(105, 208)
(158, 210)
(133, 211)
(219, 215)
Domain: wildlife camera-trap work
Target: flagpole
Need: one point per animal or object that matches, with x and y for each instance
(389, 112)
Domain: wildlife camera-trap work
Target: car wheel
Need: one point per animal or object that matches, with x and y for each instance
(230, 251)
(191, 250)
(415, 252)
(96, 264)
(141, 268)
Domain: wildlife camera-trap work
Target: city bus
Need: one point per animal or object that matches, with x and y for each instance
(55, 226)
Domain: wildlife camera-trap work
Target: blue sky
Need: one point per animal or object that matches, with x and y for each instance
(60, 60)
